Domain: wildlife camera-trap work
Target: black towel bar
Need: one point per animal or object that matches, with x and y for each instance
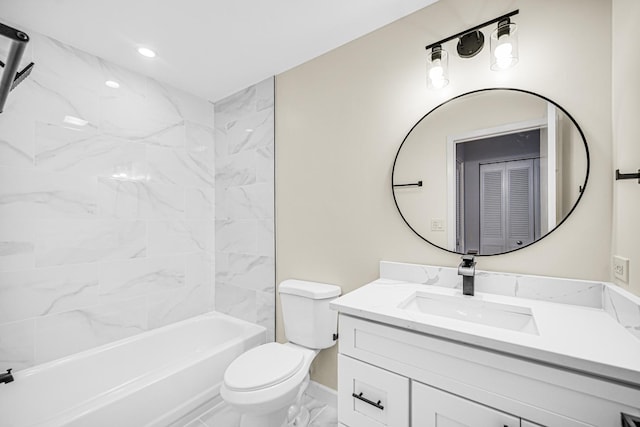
(628, 175)
(413, 184)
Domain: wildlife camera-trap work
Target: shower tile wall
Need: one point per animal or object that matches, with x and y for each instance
(245, 254)
(106, 228)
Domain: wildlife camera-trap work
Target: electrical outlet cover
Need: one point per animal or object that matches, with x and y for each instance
(621, 268)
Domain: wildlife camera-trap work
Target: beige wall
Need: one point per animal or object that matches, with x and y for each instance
(341, 117)
(626, 135)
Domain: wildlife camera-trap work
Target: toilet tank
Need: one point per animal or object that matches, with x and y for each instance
(308, 320)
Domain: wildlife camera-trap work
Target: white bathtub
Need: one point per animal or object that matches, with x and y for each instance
(150, 379)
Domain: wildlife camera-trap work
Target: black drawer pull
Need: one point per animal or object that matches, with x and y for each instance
(370, 402)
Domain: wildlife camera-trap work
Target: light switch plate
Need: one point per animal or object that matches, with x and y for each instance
(437, 225)
(621, 268)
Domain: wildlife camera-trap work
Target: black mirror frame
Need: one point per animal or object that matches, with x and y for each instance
(584, 185)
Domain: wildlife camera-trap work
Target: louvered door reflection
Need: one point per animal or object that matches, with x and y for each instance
(492, 209)
(520, 206)
(506, 206)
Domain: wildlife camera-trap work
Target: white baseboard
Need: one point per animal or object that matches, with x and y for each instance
(323, 394)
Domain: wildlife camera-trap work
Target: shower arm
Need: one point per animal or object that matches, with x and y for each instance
(10, 77)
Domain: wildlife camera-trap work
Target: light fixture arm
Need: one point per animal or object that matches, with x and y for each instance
(477, 27)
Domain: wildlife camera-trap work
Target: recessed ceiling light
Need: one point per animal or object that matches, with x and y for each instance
(76, 121)
(112, 84)
(248, 130)
(144, 51)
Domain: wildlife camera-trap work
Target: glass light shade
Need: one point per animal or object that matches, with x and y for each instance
(504, 47)
(437, 69)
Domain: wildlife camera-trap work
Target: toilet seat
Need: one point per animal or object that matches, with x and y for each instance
(263, 366)
(283, 387)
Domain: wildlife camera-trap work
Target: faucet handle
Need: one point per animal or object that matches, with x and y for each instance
(468, 260)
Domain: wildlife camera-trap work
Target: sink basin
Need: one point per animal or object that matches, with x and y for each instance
(474, 310)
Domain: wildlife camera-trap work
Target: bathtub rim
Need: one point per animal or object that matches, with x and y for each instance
(150, 332)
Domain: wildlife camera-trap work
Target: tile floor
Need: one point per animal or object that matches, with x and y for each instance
(222, 415)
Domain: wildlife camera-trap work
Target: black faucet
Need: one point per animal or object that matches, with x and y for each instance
(467, 269)
(6, 378)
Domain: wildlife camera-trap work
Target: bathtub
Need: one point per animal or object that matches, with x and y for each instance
(150, 379)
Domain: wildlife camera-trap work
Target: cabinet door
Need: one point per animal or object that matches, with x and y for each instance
(371, 397)
(436, 408)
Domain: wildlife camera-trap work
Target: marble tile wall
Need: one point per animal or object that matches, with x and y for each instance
(244, 208)
(107, 223)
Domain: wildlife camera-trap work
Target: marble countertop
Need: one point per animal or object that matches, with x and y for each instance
(573, 336)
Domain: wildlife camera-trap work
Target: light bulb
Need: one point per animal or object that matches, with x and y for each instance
(438, 83)
(504, 63)
(503, 55)
(503, 50)
(436, 72)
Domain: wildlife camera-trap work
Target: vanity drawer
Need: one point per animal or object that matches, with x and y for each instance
(437, 408)
(371, 397)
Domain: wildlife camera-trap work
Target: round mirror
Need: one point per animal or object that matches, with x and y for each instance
(490, 171)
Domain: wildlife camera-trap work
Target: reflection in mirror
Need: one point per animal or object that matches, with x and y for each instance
(499, 170)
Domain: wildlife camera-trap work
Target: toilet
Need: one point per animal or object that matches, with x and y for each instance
(266, 383)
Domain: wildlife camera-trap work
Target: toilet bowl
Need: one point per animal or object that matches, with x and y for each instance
(267, 379)
(265, 384)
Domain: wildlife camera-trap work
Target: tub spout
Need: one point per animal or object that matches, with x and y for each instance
(6, 377)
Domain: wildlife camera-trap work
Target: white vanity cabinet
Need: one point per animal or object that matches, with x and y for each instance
(409, 378)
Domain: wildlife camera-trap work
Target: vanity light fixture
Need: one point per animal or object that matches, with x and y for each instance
(438, 68)
(504, 45)
(504, 49)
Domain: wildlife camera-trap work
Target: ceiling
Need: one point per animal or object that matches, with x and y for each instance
(211, 48)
